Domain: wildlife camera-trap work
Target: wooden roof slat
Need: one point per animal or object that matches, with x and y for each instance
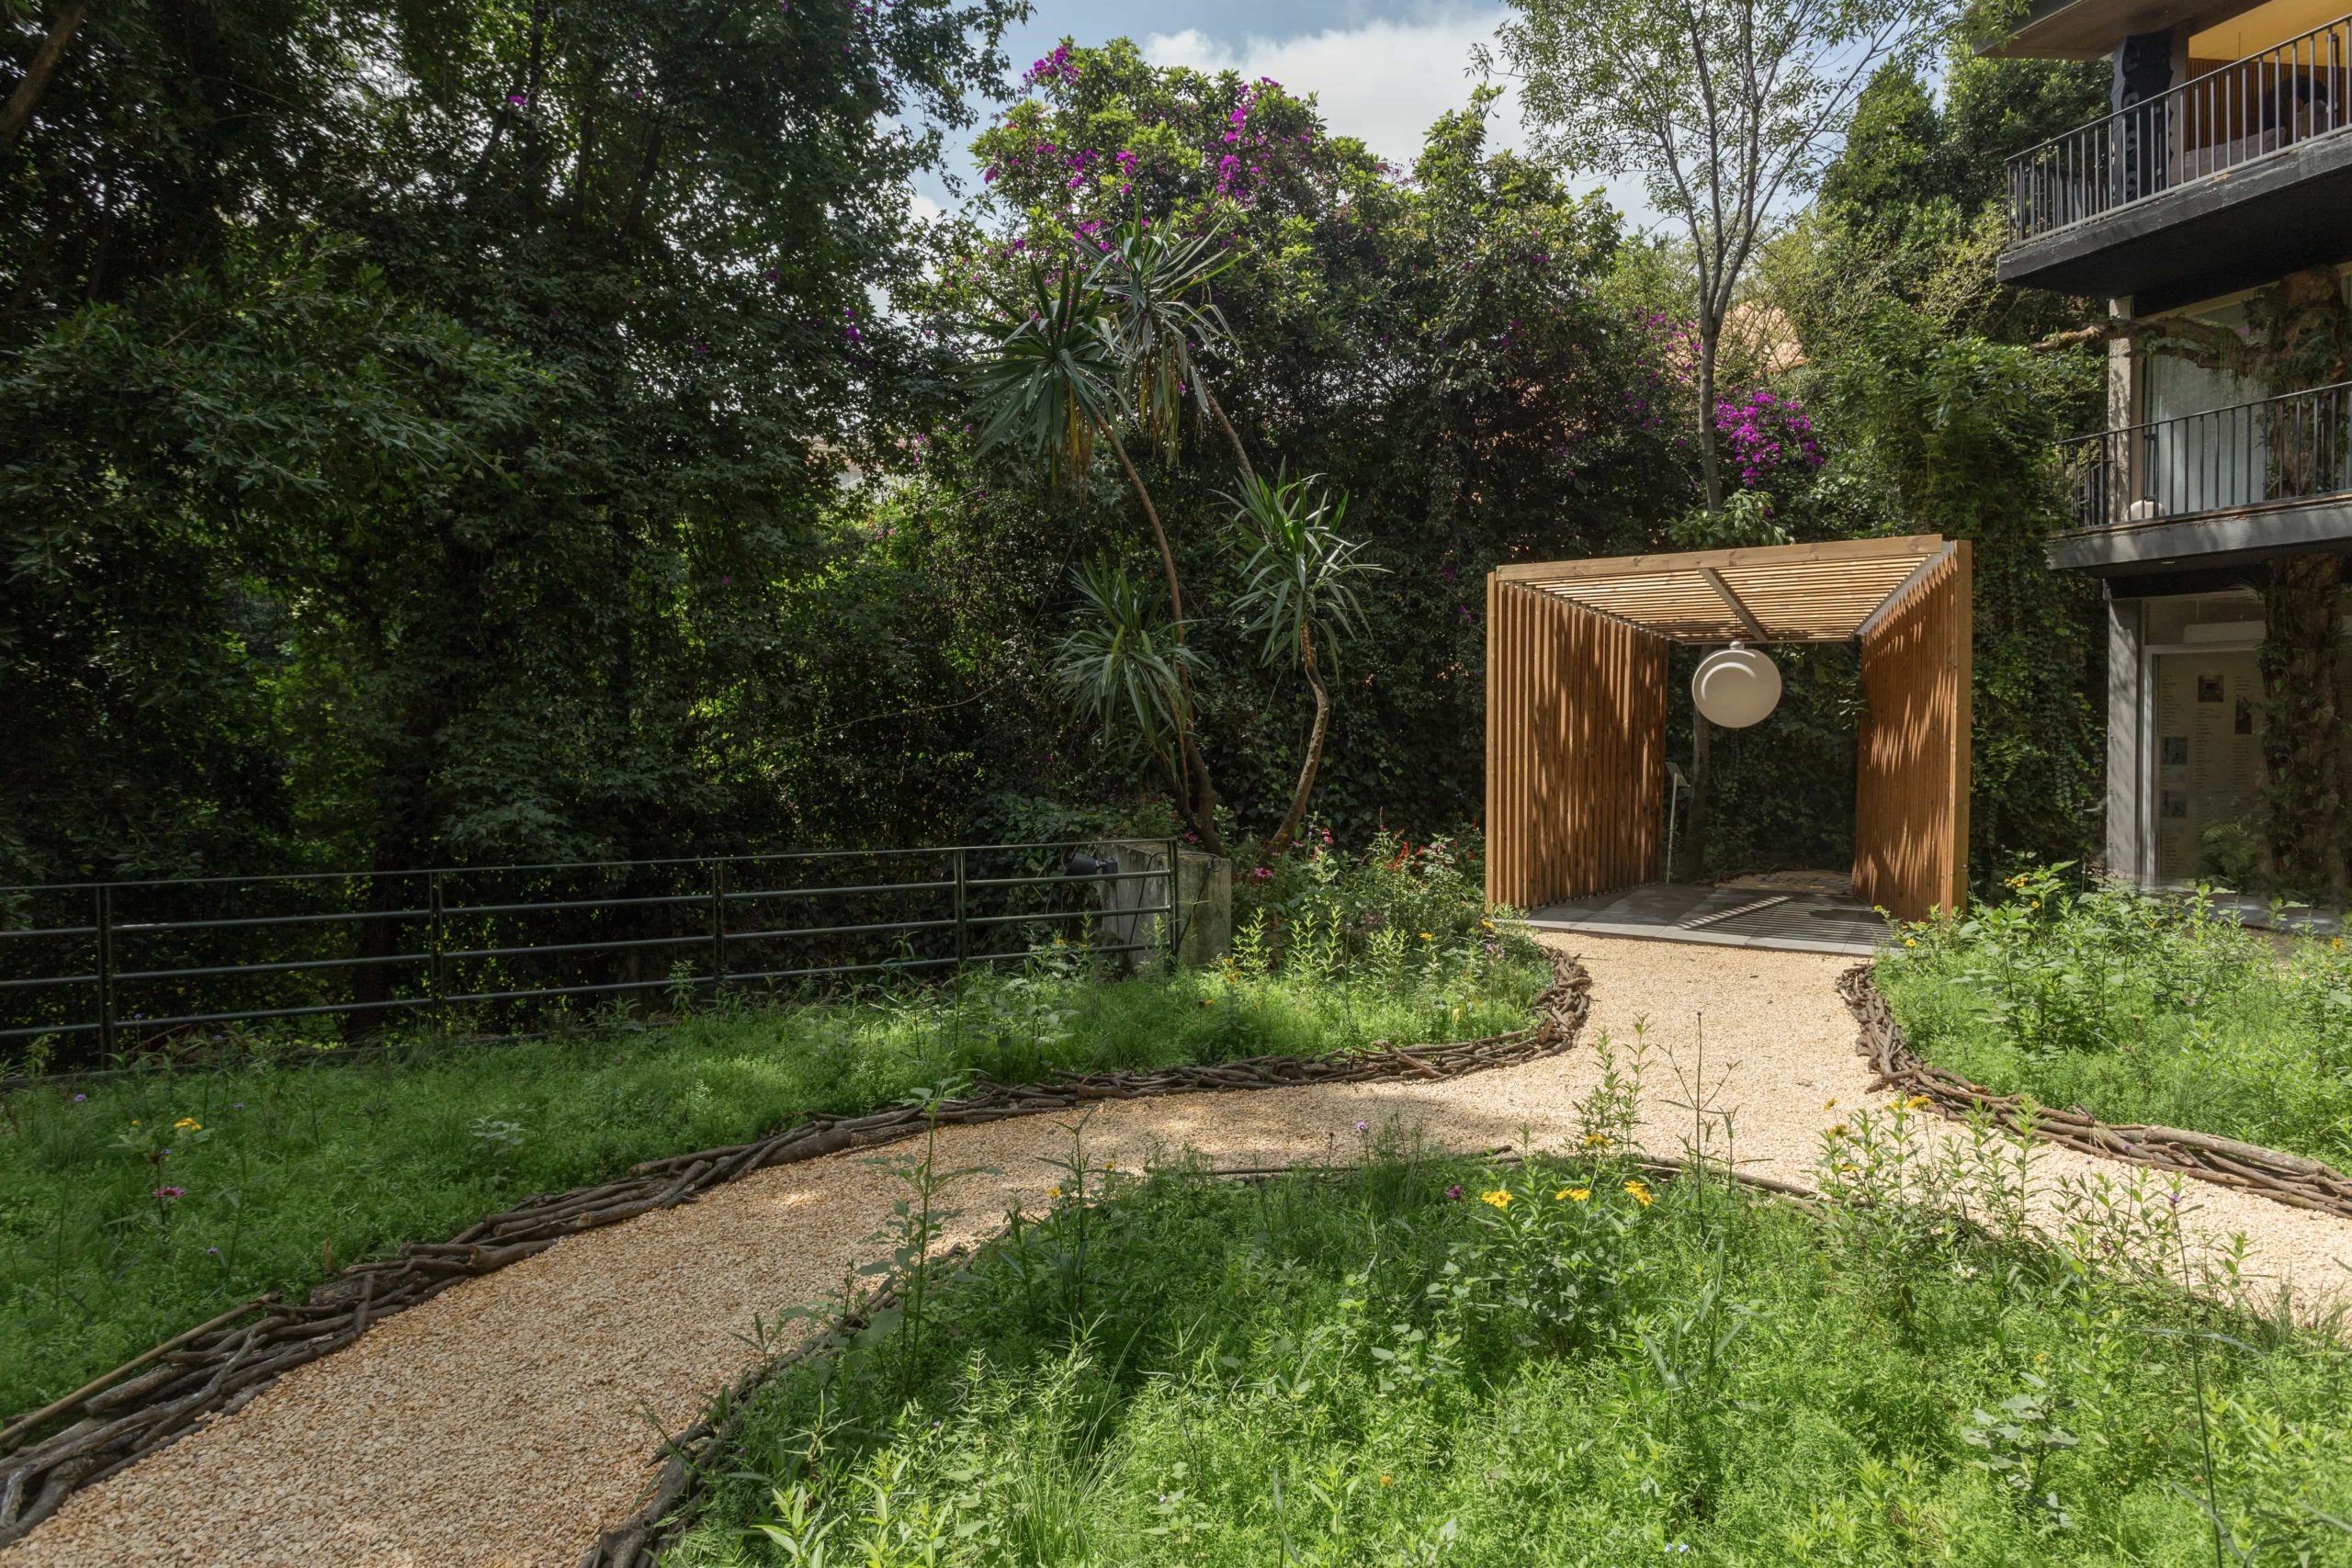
(1816, 592)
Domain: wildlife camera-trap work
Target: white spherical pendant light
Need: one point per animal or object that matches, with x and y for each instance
(1735, 687)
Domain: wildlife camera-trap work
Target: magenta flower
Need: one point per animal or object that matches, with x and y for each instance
(166, 1194)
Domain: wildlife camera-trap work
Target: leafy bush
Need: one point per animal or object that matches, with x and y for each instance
(1396, 904)
(2136, 1009)
(284, 1172)
(1419, 1362)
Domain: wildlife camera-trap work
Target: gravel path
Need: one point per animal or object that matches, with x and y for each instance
(509, 1420)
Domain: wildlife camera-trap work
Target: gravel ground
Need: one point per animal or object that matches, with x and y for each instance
(511, 1419)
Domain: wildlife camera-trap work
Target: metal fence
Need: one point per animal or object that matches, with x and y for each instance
(98, 972)
(2297, 446)
(2243, 110)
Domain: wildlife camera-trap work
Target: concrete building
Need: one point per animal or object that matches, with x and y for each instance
(2212, 209)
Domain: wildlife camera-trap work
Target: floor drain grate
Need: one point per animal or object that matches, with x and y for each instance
(1720, 916)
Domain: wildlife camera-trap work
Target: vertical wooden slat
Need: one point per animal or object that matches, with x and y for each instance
(1576, 725)
(1911, 788)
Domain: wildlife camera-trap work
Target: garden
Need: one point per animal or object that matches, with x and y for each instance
(1411, 1358)
(137, 1206)
(2137, 1008)
(503, 469)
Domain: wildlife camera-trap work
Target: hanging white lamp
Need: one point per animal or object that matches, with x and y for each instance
(1735, 687)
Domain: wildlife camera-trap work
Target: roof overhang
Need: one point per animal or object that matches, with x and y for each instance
(2091, 29)
(1831, 592)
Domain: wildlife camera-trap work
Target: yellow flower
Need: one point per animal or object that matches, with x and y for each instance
(1916, 1101)
(1910, 942)
(1053, 1191)
(1829, 1105)
(187, 1124)
(1498, 1198)
(1578, 1193)
(2037, 903)
(1386, 1481)
(134, 1121)
(1639, 1193)
(1426, 937)
(1838, 1131)
(1596, 1140)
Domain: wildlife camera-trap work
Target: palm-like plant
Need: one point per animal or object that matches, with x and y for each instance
(1156, 284)
(1299, 590)
(1124, 665)
(1050, 386)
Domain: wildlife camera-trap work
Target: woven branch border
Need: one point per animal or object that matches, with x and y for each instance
(2293, 1179)
(217, 1367)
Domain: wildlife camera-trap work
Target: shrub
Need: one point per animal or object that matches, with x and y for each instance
(2136, 1009)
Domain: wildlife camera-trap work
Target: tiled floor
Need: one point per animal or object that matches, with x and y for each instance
(1723, 916)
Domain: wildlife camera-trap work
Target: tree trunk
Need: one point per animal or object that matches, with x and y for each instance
(1201, 809)
(1288, 833)
(1694, 825)
(1232, 436)
(1711, 467)
(2302, 729)
(17, 112)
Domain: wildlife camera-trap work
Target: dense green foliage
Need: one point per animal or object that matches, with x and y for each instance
(417, 420)
(289, 1170)
(1435, 345)
(1933, 418)
(476, 431)
(1430, 1364)
(2137, 1009)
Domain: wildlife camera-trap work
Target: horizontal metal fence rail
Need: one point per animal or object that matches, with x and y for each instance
(2244, 110)
(108, 969)
(2297, 446)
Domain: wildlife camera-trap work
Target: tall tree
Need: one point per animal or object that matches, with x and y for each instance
(661, 222)
(1728, 109)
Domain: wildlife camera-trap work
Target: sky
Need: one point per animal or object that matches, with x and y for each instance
(1381, 70)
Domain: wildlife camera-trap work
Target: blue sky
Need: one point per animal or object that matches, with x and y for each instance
(1381, 70)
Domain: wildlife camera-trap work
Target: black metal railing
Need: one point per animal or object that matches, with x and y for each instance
(2244, 110)
(2296, 447)
(97, 973)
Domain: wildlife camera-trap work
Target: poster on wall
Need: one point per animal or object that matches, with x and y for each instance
(2208, 757)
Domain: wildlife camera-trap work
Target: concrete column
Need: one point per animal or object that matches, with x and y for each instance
(2128, 765)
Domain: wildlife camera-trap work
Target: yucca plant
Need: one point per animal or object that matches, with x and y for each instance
(1123, 666)
(1050, 385)
(1299, 590)
(1156, 284)
(1047, 383)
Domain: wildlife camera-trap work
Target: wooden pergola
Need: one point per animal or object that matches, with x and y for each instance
(1577, 697)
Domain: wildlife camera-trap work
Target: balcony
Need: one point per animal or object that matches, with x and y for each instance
(2230, 485)
(2234, 176)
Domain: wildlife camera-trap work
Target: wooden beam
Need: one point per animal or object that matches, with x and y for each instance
(1738, 607)
(1886, 606)
(1913, 544)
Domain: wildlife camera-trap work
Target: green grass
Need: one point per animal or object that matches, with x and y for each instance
(2137, 1010)
(1384, 1368)
(294, 1169)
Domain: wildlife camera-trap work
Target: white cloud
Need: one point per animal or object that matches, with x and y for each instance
(1384, 81)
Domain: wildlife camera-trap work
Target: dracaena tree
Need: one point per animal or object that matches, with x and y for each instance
(1124, 668)
(1061, 376)
(1298, 592)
